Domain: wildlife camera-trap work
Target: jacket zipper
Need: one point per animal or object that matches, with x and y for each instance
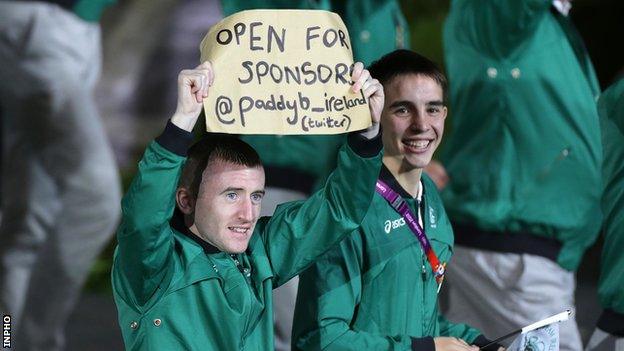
(237, 263)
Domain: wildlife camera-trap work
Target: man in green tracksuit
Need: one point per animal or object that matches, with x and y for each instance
(377, 290)
(201, 279)
(609, 334)
(523, 162)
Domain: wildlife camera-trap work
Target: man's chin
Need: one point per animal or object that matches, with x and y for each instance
(231, 246)
(418, 162)
(235, 251)
(237, 247)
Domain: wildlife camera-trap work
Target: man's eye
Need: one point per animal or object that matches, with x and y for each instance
(231, 196)
(433, 110)
(401, 112)
(256, 198)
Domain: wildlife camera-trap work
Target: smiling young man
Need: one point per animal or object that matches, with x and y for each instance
(195, 266)
(378, 289)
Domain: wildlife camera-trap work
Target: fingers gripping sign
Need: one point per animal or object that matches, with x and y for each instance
(193, 86)
(373, 91)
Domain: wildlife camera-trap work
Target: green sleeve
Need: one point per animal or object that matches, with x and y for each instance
(376, 27)
(329, 293)
(145, 239)
(611, 282)
(461, 331)
(300, 232)
(495, 27)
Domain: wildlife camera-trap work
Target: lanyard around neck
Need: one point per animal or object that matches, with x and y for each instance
(400, 205)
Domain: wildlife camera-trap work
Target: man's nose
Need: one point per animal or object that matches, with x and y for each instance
(246, 210)
(419, 122)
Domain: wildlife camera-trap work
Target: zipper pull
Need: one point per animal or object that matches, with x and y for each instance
(424, 272)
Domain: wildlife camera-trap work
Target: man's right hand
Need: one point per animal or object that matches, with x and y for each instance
(444, 343)
(373, 91)
(193, 87)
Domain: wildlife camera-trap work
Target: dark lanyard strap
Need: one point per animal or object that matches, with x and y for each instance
(396, 201)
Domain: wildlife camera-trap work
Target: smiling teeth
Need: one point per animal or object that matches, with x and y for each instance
(418, 144)
(239, 230)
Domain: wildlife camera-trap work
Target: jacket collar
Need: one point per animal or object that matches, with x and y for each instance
(388, 178)
(177, 223)
(193, 253)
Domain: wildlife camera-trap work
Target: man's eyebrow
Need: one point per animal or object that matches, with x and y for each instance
(435, 103)
(259, 192)
(231, 188)
(399, 103)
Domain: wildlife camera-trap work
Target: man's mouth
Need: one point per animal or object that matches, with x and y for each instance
(416, 145)
(239, 230)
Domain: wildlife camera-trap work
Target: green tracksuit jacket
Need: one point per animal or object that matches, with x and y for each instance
(311, 155)
(525, 152)
(376, 291)
(173, 294)
(611, 284)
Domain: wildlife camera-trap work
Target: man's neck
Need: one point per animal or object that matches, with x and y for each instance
(407, 177)
(190, 224)
(180, 222)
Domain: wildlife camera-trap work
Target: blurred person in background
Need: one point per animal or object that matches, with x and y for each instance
(609, 332)
(523, 163)
(60, 187)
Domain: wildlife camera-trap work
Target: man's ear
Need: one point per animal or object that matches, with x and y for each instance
(185, 201)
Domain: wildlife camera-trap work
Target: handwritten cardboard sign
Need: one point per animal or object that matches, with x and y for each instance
(282, 72)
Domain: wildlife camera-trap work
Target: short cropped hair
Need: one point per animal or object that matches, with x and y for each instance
(402, 62)
(215, 147)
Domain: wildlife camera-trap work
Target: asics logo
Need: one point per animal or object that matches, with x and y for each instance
(390, 225)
